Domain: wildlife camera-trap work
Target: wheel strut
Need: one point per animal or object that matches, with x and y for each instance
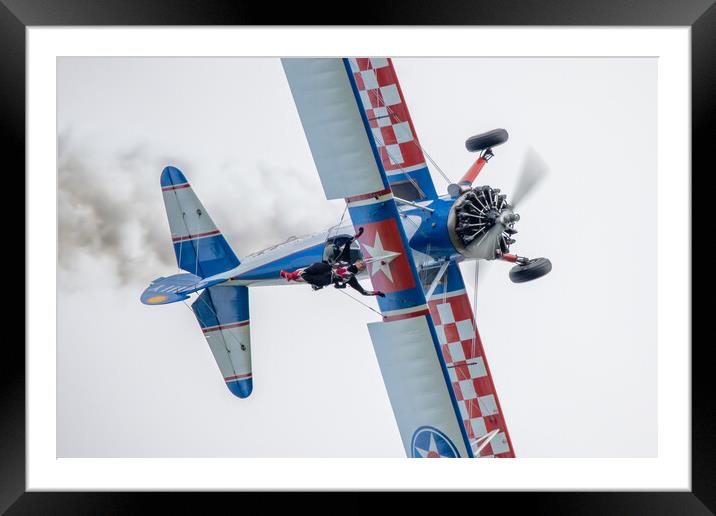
(513, 258)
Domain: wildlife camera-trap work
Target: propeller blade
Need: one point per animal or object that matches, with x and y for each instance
(474, 285)
(469, 274)
(534, 170)
(475, 272)
(485, 245)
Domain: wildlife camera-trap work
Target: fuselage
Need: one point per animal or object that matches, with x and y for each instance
(426, 231)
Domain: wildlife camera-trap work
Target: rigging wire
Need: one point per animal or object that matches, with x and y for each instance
(417, 228)
(188, 232)
(340, 222)
(222, 331)
(415, 139)
(437, 167)
(393, 160)
(474, 308)
(359, 301)
(392, 113)
(181, 246)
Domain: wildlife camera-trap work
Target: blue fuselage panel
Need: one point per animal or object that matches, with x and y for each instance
(288, 262)
(430, 238)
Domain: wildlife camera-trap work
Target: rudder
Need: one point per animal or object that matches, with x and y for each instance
(199, 246)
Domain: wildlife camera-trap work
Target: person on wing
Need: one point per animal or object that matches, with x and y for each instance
(340, 274)
(345, 274)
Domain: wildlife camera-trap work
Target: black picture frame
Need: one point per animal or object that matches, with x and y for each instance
(17, 15)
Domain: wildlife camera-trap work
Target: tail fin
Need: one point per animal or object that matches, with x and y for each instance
(199, 246)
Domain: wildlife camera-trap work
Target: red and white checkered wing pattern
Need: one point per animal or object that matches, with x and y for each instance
(390, 122)
(469, 373)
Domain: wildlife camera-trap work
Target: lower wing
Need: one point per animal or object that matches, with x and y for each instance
(470, 378)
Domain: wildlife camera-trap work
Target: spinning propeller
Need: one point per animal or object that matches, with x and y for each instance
(533, 171)
(502, 214)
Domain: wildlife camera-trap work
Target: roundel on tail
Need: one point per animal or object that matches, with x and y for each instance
(429, 442)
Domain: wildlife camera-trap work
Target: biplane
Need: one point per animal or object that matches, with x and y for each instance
(367, 152)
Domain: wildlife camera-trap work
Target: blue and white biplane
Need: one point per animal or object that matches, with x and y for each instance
(367, 152)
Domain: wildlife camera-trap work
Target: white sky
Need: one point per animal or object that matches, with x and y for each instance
(573, 354)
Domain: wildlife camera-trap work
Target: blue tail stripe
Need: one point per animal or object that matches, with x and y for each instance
(215, 256)
(204, 310)
(241, 388)
(222, 305)
(172, 176)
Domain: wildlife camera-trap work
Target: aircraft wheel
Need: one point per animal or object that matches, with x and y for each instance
(486, 140)
(535, 268)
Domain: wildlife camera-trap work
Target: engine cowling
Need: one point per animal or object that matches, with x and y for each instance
(473, 223)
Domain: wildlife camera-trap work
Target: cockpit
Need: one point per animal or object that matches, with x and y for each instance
(334, 252)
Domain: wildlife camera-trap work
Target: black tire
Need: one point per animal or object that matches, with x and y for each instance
(486, 140)
(535, 268)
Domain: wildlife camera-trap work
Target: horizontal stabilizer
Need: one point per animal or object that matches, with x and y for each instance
(174, 288)
(223, 314)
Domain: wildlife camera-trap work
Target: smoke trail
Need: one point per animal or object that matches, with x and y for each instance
(110, 208)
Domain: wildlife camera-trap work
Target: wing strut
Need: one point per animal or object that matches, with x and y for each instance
(437, 279)
(413, 204)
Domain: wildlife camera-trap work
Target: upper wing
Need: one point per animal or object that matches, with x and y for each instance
(470, 377)
(336, 133)
(384, 106)
(405, 343)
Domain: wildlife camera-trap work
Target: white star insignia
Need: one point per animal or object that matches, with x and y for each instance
(380, 258)
(432, 451)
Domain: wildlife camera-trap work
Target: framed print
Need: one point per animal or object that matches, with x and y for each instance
(229, 136)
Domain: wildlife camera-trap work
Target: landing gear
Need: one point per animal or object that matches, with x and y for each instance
(486, 140)
(529, 269)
